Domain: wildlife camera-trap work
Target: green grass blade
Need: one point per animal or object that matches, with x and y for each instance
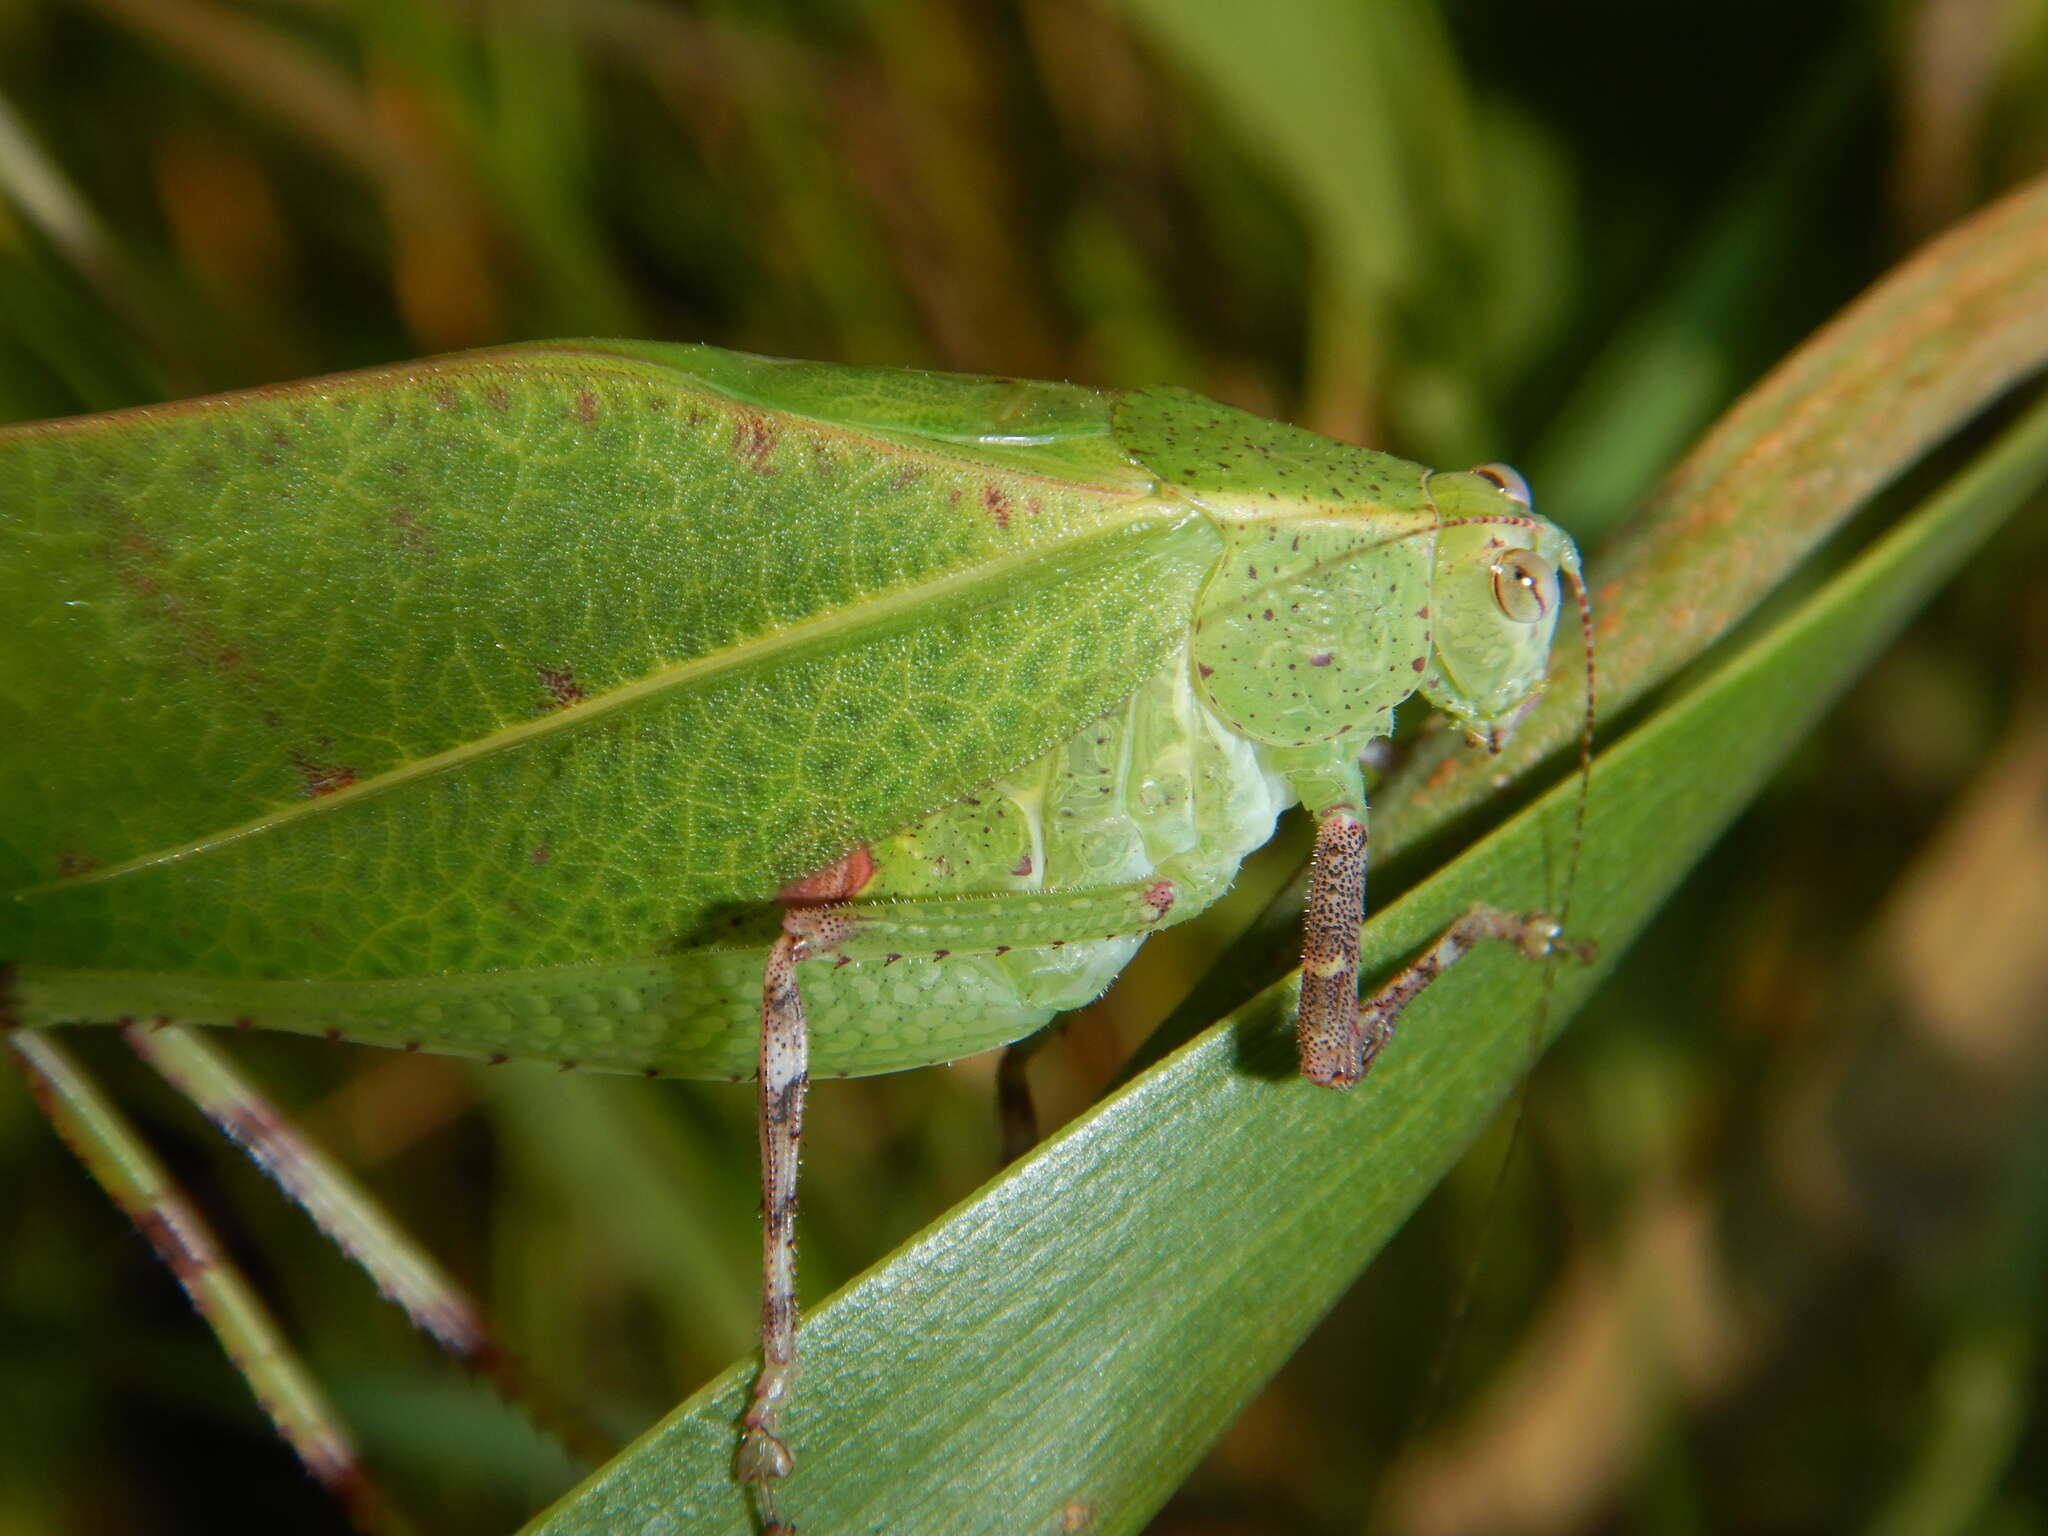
(1923, 350)
(405, 1273)
(1063, 1346)
(122, 1165)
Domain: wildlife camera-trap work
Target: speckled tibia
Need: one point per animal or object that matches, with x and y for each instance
(659, 709)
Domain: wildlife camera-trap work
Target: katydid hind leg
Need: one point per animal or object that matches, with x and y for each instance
(1016, 1111)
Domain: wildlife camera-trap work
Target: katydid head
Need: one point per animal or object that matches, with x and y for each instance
(1494, 599)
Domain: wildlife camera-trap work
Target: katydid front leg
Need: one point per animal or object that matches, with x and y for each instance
(1326, 1019)
(1338, 1033)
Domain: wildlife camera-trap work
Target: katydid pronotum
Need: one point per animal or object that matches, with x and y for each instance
(662, 709)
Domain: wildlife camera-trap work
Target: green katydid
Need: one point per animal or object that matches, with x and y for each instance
(663, 709)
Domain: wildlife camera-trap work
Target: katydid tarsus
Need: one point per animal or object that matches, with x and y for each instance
(662, 709)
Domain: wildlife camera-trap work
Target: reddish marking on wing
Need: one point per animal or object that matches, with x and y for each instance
(753, 439)
(500, 398)
(996, 502)
(319, 779)
(71, 863)
(1321, 659)
(541, 854)
(561, 685)
(1159, 897)
(586, 407)
(841, 880)
(1205, 669)
(1024, 867)
(191, 635)
(408, 532)
(1417, 664)
(1033, 505)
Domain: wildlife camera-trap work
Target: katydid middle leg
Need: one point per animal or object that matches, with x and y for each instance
(764, 1457)
(873, 933)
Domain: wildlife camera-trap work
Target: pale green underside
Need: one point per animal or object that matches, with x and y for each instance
(684, 1016)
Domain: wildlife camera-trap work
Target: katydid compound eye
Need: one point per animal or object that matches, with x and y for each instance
(1508, 479)
(1524, 585)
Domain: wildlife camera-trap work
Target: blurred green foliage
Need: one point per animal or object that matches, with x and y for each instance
(1772, 1253)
